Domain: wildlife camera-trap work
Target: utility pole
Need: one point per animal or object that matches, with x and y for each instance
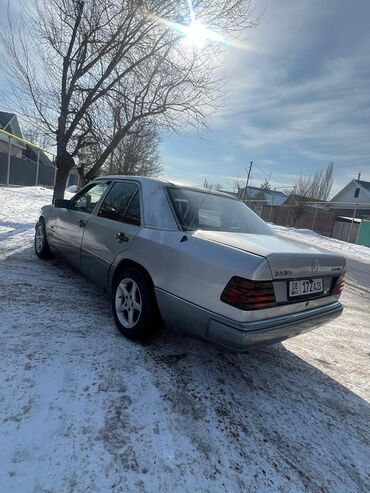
(353, 219)
(249, 174)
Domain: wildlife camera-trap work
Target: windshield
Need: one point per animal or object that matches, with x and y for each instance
(203, 210)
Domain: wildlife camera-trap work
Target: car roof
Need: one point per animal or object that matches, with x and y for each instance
(164, 182)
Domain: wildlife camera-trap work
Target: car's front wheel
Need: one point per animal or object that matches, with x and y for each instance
(134, 306)
(42, 249)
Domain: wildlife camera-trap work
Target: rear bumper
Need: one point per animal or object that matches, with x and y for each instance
(237, 336)
(240, 337)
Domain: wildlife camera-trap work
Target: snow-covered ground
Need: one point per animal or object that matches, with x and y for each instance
(355, 252)
(82, 409)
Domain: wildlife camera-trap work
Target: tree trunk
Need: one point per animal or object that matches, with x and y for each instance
(64, 167)
(81, 174)
(83, 181)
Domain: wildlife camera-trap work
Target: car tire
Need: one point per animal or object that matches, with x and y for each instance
(41, 244)
(134, 306)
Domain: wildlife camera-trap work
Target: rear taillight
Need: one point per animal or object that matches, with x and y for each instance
(338, 285)
(249, 295)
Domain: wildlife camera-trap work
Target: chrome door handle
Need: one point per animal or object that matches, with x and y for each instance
(121, 237)
(81, 223)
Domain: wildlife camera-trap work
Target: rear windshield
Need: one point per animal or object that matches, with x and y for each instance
(207, 211)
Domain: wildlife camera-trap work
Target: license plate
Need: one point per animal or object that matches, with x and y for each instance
(305, 287)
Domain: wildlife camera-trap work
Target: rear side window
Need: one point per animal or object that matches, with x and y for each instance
(132, 215)
(207, 211)
(118, 201)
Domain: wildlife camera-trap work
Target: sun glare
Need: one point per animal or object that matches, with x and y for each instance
(196, 34)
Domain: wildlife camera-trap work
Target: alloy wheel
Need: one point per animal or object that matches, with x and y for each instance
(39, 238)
(128, 303)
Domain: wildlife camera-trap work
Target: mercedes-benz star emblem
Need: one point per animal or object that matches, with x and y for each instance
(315, 265)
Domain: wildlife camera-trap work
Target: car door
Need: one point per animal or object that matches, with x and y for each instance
(111, 230)
(69, 225)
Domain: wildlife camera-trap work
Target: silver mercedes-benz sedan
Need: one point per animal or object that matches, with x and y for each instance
(201, 261)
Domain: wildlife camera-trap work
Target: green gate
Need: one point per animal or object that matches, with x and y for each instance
(363, 237)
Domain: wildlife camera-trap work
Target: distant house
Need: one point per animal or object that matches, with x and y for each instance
(353, 199)
(9, 123)
(256, 198)
(28, 165)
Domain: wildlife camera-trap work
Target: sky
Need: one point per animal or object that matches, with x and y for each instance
(297, 98)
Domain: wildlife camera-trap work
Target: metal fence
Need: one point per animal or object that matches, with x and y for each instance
(346, 230)
(316, 216)
(319, 220)
(25, 164)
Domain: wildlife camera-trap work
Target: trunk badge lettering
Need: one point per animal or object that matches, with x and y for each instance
(282, 273)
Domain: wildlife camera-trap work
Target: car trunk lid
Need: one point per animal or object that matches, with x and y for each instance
(287, 259)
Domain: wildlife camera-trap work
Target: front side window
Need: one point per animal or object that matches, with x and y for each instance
(208, 211)
(118, 201)
(87, 201)
(357, 193)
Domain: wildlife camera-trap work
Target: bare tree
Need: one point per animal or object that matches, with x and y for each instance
(316, 187)
(238, 187)
(37, 137)
(212, 186)
(137, 154)
(72, 60)
(266, 185)
(326, 182)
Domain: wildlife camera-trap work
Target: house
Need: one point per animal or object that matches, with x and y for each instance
(256, 198)
(26, 164)
(19, 148)
(353, 200)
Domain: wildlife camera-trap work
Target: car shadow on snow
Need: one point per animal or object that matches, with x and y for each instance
(267, 415)
(300, 422)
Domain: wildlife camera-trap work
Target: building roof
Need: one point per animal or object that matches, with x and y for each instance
(9, 122)
(5, 118)
(268, 197)
(31, 153)
(365, 184)
(270, 192)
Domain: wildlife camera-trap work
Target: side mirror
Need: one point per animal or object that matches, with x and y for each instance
(62, 204)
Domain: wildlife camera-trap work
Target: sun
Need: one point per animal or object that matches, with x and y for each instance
(196, 34)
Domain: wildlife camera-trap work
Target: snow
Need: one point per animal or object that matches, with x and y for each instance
(84, 409)
(19, 211)
(348, 250)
